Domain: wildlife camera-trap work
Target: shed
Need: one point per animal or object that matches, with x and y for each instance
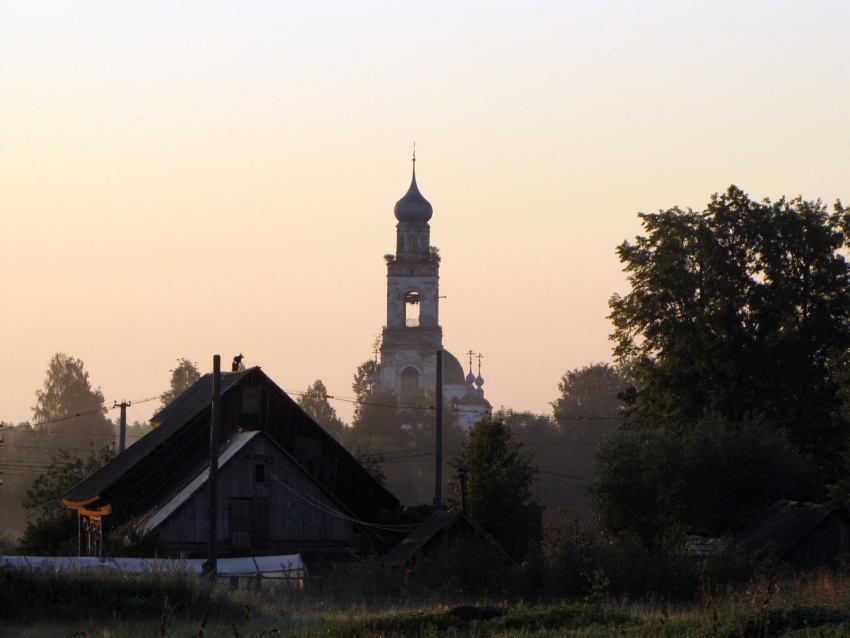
(440, 532)
(805, 535)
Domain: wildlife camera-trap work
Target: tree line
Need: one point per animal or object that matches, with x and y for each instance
(729, 389)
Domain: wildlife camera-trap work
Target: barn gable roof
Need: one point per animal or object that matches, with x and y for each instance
(147, 471)
(782, 526)
(169, 420)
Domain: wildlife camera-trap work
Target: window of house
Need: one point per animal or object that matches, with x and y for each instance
(259, 473)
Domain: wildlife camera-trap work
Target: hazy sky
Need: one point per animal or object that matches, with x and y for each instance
(180, 179)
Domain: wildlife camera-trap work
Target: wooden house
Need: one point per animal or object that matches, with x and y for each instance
(805, 535)
(284, 485)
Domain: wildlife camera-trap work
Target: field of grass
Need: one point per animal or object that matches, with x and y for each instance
(157, 605)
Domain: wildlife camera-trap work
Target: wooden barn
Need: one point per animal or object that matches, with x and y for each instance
(284, 485)
(805, 535)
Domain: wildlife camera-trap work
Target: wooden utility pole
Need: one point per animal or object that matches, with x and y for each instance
(438, 491)
(122, 428)
(212, 554)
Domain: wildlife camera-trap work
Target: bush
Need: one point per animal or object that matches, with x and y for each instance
(582, 561)
(468, 571)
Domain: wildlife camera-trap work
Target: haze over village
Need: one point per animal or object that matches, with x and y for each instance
(187, 180)
(335, 192)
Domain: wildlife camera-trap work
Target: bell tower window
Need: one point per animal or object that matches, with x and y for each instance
(412, 308)
(409, 383)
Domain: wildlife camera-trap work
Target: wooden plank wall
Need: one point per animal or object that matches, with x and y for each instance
(297, 511)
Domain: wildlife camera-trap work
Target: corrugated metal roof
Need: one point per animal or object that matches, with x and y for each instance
(246, 566)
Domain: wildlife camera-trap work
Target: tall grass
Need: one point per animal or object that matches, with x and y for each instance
(34, 594)
(114, 605)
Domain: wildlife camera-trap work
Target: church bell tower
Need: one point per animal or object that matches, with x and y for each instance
(412, 334)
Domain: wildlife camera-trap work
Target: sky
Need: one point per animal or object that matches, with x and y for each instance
(185, 179)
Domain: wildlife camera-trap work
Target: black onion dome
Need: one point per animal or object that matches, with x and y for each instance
(413, 207)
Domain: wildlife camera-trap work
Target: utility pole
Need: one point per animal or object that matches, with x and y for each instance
(461, 474)
(212, 555)
(438, 492)
(122, 428)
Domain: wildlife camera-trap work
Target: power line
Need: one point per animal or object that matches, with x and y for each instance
(411, 406)
(77, 415)
(328, 510)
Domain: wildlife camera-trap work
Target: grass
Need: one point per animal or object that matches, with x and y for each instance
(168, 605)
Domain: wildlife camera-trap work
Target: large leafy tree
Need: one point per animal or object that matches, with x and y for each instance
(69, 408)
(714, 477)
(314, 401)
(500, 481)
(182, 377)
(51, 527)
(591, 393)
(741, 311)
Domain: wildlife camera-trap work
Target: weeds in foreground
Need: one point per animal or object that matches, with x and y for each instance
(815, 604)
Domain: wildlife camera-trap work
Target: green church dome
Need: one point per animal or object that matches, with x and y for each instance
(452, 370)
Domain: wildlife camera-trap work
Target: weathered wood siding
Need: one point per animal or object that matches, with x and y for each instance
(827, 545)
(283, 508)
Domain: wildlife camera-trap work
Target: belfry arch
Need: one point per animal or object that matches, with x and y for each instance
(412, 308)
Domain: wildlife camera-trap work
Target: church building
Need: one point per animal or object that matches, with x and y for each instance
(412, 335)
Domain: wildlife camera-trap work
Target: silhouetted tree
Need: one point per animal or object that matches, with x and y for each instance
(500, 479)
(713, 477)
(741, 311)
(589, 394)
(69, 408)
(53, 530)
(314, 401)
(182, 377)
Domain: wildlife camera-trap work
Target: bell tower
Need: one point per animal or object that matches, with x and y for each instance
(412, 334)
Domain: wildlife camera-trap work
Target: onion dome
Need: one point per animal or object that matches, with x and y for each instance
(470, 378)
(480, 380)
(413, 207)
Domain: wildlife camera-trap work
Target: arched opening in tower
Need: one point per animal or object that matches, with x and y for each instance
(409, 384)
(412, 308)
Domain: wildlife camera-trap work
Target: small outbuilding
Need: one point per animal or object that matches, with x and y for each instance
(805, 535)
(439, 533)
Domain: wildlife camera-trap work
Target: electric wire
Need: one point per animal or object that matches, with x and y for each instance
(333, 512)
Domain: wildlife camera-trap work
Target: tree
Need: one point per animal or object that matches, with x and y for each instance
(364, 381)
(53, 531)
(740, 311)
(398, 443)
(69, 408)
(591, 393)
(315, 403)
(182, 377)
(500, 480)
(714, 477)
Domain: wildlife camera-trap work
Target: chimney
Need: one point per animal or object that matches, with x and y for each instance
(237, 363)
